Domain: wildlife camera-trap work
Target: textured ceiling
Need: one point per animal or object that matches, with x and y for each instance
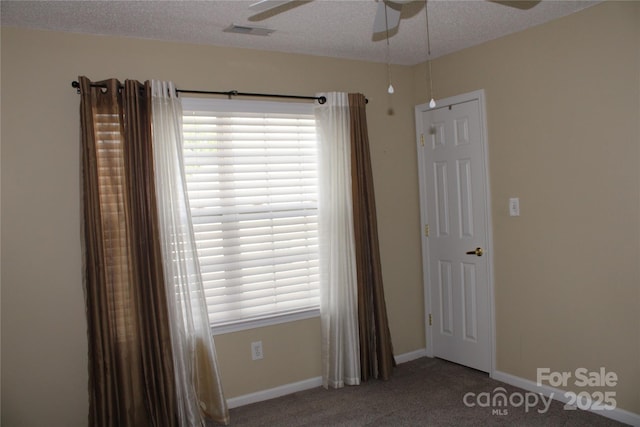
(336, 28)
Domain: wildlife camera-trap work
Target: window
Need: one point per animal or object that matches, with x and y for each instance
(251, 171)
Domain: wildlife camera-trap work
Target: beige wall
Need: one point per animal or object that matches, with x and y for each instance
(562, 107)
(44, 329)
(563, 117)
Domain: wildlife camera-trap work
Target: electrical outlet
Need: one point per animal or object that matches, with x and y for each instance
(256, 350)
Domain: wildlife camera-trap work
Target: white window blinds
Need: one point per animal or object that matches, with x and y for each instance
(251, 172)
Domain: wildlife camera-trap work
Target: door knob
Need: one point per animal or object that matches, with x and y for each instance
(477, 252)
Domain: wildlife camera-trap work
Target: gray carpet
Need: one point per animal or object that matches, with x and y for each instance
(423, 392)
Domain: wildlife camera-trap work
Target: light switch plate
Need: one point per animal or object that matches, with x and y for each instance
(514, 206)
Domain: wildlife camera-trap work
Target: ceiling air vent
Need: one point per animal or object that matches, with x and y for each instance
(244, 29)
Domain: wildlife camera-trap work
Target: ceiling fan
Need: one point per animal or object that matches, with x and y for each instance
(387, 16)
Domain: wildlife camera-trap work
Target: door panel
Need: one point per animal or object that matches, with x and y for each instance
(445, 300)
(441, 189)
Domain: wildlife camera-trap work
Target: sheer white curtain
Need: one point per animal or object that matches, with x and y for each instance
(200, 395)
(338, 276)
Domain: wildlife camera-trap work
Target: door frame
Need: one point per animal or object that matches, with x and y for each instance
(419, 110)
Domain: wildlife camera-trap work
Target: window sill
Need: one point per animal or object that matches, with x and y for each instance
(269, 321)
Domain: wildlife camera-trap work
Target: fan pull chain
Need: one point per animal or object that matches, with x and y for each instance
(432, 103)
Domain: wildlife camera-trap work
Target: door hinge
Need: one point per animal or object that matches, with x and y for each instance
(430, 319)
(422, 139)
(426, 230)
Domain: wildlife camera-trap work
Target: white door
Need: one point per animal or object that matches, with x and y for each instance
(456, 236)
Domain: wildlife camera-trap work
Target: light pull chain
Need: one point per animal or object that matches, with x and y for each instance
(390, 89)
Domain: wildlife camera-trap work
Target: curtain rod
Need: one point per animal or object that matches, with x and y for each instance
(229, 94)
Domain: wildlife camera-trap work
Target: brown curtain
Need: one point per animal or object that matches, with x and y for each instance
(131, 380)
(376, 350)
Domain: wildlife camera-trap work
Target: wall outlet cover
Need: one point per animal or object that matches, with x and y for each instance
(256, 350)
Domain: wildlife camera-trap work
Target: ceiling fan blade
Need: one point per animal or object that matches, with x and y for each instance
(266, 9)
(392, 19)
(264, 5)
(518, 4)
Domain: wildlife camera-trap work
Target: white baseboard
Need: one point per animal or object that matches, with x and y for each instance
(307, 384)
(615, 414)
(412, 355)
(272, 393)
